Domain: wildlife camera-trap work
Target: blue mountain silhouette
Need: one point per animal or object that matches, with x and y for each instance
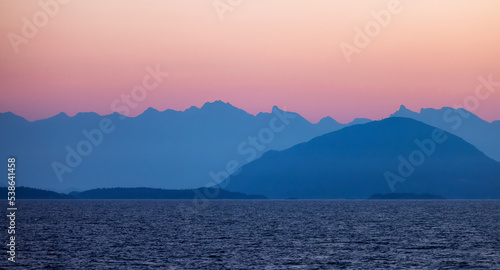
(485, 136)
(161, 149)
(362, 160)
(179, 149)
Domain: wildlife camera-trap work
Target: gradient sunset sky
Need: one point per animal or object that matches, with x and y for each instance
(262, 53)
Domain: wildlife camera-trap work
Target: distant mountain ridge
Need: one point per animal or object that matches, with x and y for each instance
(184, 149)
(168, 149)
(482, 134)
(392, 155)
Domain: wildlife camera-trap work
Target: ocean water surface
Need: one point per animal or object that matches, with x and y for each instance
(267, 234)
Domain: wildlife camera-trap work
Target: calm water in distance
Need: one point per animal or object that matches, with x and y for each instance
(294, 234)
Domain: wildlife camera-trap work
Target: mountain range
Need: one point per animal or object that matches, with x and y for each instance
(168, 149)
(202, 146)
(480, 133)
(394, 154)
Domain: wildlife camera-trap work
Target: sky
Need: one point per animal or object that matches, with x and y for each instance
(85, 54)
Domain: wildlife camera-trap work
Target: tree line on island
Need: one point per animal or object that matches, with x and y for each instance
(127, 193)
(184, 194)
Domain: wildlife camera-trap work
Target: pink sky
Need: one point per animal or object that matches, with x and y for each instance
(263, 53)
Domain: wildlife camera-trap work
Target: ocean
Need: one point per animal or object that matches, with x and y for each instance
(255, 234)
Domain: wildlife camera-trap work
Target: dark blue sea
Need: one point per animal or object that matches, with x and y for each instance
(268, 234)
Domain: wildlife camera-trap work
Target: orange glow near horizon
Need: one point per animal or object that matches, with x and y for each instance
(263, 53)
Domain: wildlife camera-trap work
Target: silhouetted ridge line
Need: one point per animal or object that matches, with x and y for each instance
(128, 193)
